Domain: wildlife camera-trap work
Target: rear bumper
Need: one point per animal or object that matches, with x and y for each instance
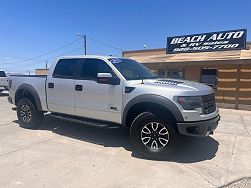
(198, 128)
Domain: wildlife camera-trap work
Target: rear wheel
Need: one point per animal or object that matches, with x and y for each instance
(28, 115)
(153, 136)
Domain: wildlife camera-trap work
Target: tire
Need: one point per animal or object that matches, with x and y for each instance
(28, 115)
(162, 134)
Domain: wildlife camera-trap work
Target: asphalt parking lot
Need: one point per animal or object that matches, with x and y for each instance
(69, 154)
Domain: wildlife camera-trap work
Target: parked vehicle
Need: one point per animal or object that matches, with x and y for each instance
(120, 91)
(3, 81)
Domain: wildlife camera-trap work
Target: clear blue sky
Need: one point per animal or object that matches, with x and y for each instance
(29, 28)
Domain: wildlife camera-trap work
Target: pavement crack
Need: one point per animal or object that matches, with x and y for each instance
(244, 124)
(231, 159)
(200, 175)
(235, 181)
(29, 146)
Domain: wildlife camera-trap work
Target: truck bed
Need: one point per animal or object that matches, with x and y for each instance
(38, 82)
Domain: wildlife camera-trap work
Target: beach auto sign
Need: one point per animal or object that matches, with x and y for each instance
(206, 42)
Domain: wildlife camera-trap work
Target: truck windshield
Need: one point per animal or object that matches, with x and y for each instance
(132, 70)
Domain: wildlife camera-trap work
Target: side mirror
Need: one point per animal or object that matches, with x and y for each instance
(106, 78)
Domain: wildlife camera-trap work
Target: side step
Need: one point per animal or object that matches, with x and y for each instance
(87, 121)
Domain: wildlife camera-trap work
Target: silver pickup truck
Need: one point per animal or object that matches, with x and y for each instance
(119, 91)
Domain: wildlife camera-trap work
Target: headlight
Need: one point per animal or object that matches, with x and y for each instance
(191, 103)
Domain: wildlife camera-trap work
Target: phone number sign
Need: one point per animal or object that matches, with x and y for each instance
(206, 42)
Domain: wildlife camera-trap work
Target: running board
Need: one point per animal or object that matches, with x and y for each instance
(91, 122)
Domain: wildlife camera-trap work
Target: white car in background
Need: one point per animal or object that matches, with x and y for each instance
(3, 81)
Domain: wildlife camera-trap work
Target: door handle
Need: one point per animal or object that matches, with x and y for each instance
(78, 87)
(50, 85)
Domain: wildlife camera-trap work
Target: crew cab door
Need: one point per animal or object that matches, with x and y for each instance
(60, 87)
(95, 100)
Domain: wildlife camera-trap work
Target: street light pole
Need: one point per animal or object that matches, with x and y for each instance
(84, 37)
(85, 43)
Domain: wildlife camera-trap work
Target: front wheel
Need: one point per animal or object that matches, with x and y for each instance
(28, 115)
(153, 136)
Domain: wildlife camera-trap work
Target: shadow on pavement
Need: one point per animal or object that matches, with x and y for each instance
(189, 150)
(195, 149)
(192, 150)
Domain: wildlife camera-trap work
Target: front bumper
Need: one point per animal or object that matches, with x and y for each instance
(198, 128)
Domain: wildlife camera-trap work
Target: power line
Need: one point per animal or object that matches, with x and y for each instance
(76, 49)
(41, 55)
(45, 54)
(120, 49)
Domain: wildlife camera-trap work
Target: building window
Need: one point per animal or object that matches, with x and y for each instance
(161, 73)
(209, 76)
(175, 73)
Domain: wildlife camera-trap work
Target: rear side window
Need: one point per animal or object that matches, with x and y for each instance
(92, 67)
(2, 74)
(65, 68)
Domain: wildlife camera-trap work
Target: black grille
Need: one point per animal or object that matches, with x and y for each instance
(209, 105)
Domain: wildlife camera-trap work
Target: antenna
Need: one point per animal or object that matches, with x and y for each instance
(142, 78)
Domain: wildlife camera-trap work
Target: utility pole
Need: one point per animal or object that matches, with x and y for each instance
(85, 43)
(84, 37)
(46, 64)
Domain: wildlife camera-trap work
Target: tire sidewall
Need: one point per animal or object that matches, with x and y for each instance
(135, 135)
(34, 114)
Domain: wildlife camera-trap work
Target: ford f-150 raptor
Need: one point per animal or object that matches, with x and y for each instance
(121, 91)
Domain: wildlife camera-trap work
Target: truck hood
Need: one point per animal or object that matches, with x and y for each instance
(180, 86)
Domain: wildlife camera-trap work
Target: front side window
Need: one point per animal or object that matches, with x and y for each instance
(2, 74)
(65, 68)
(92, 67)
(132, 70)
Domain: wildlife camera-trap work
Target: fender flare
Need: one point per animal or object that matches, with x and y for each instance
(157, 99)
(33, 92)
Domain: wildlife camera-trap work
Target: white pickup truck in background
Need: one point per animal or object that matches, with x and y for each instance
(119, 91)
(3, 81)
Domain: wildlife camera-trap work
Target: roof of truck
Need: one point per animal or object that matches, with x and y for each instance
(89, 56)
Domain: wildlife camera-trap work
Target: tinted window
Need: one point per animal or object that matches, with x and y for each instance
(92, 67)
(131, 69)
(65, 68)
(2, 74)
